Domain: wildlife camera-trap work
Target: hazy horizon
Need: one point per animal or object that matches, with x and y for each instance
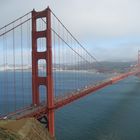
(108, 29)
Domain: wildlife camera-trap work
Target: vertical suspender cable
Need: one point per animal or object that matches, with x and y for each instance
(29, 56)
(22, 88)
(4, 102)
(54, 73)
(6, 74)
(59, 62)
(14, 68)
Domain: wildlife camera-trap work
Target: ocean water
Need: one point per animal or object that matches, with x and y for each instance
(112, 113)
(16, 88)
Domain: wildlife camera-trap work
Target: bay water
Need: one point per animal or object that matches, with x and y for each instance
(112, 113)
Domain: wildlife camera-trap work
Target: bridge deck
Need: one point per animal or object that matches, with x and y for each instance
(37, 111)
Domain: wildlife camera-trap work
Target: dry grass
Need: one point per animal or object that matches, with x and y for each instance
(24, 129)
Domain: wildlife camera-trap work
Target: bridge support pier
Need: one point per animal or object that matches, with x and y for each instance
(47, 81)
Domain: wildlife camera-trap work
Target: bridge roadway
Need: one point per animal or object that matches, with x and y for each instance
(38, 111)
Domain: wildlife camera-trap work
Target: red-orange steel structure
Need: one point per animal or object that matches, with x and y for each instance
(47, 56)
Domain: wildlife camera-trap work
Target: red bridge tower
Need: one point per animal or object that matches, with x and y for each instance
(47, 56)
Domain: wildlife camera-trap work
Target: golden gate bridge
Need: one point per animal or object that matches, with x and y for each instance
(36, 50)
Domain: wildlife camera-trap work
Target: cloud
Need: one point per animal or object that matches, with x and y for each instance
(93, 17)
(91, 21)
(101, 18)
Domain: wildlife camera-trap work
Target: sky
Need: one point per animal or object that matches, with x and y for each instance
(109, 29)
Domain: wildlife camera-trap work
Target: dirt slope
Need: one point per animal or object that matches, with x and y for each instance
(24, 129)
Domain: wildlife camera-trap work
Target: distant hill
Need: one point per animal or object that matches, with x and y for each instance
(104, 66)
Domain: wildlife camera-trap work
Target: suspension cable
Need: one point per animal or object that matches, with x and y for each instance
(70, 46)
(75, 38)
(15, 20)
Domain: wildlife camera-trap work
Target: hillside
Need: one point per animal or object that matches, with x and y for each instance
(24, 129)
